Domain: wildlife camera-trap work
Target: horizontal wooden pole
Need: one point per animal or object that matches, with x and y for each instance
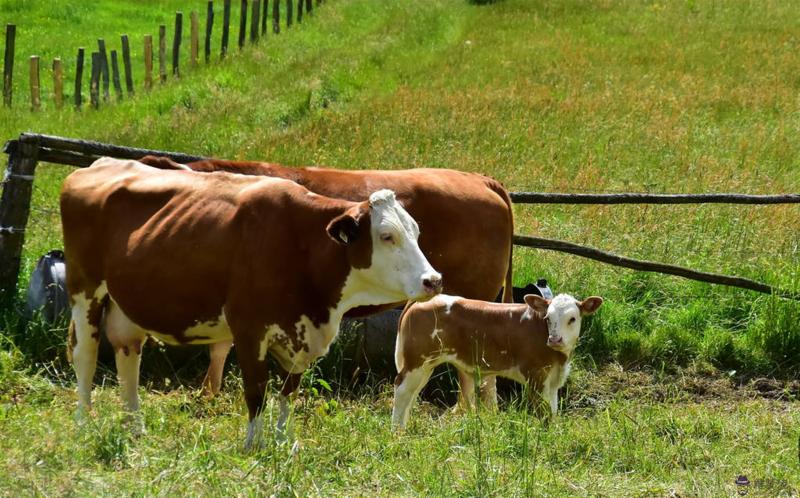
(636, 198)
(649, 266)
(91, 148)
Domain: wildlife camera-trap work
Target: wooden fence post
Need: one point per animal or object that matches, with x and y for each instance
(36, 101)
(264, 17)
(195, 38)
(226, 26)
(15, 205)
(300, 4)
(176, 44)
(148, 62)
(115, 75)
(8, 64)
(242, 24)
(254, 21)
(276, 16)
(308, 7)
(126, 62)
(162, 53)
(209, 28)
(79, 77)
(289, 13)
(94, 82)
(58, 83)
(101, 48)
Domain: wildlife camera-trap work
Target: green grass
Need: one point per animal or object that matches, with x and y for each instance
(573, 96)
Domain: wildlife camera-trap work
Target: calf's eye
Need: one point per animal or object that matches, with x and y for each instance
(571, 321)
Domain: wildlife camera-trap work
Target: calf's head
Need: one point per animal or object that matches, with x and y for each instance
(563, 317)
(382, 246)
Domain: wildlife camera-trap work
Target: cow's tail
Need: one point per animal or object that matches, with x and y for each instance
(500, 190)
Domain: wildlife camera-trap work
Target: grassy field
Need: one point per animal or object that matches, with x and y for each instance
(574, 96)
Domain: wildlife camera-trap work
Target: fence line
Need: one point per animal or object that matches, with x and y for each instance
(31, 147)
(642, 198)
(104, 81)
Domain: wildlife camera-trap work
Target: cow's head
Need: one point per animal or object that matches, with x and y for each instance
(563, 316)
(381, 238)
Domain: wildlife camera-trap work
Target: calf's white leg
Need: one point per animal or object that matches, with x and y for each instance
(411, 383)
(218, 352)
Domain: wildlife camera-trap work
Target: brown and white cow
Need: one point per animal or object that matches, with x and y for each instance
(530, 343)
(201, 258)
(466, 221)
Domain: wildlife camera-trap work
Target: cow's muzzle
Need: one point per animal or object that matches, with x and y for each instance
(432, 284)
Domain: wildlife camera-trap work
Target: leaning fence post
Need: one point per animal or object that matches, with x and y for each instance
(226, 27)
(58, 83)
(148, 62)
(126, 62)
(8, 64)
(36, 101)
(79, 77)
(15, 205)
(101, 48)
(162, 53)
(254, 21)
(115, 75)
(176, 44)
(194, 44)
(94, 82)
(242, 24)
(209, 28)
(276, 16)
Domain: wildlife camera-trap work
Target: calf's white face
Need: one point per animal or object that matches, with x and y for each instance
(563, 316)
(398, 270)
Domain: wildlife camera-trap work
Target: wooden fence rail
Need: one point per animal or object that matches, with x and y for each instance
(30, 148)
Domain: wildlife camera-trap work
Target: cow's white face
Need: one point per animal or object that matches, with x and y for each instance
(563, 316)
(397, 270)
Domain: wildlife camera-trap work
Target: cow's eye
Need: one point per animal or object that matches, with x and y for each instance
(571, 321)
(387, 237)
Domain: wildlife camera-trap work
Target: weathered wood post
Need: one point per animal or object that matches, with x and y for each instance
(195, 38)
(162, 53)
(126, 62)
(264, 17)
(309, 7)
(226, 27)
(36, 101)
(58, 83)
(300, 4)
(176, 44)
(79, 77)
(148, 62)
(209, 28)
(289, 13)
(242, 24)
(94, 82)
(276, 16)
(101, 48)
(15, 205)
(115, 75)
(254, 21)
(8, 64)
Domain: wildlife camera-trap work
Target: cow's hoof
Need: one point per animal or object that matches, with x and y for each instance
(134, 424)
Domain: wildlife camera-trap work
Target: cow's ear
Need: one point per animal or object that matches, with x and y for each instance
(589, 305)
(343, 229)
(537, 303)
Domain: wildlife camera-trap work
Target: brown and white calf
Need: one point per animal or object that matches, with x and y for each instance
(530, 343)
(466, 220)
(194, 258)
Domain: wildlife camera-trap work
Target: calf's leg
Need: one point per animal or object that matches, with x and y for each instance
(408, 384)
(212, 383)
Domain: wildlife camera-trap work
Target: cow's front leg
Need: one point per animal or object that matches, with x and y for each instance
(288, 391)
(254, 376)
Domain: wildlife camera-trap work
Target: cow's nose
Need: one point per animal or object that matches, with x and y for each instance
(432, 284)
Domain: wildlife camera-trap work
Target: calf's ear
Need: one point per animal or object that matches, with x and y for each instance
(589, 305)
(538, 303)
(343, 229)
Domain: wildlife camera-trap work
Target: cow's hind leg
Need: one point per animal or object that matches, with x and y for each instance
(126, 338)
(408, 384)
(83, 342)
